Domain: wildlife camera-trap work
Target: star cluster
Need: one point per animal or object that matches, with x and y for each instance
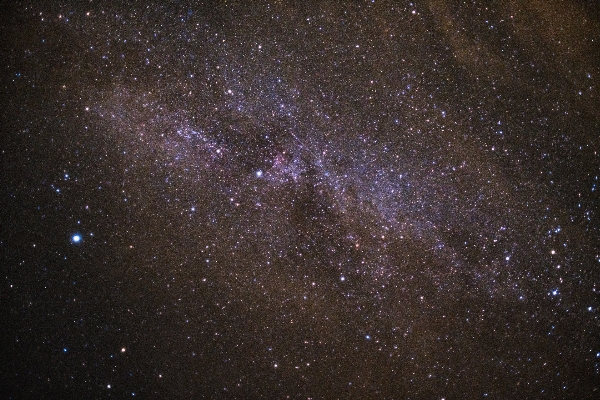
(322, 200)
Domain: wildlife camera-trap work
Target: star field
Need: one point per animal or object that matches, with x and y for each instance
(323, 200)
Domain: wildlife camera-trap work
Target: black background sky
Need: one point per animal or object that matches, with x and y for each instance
(305, 200)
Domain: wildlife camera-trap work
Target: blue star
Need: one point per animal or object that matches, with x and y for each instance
(76, 238)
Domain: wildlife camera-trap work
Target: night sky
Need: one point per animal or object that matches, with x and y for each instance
(368, 200)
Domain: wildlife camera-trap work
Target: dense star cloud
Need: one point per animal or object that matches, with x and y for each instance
(328, 200)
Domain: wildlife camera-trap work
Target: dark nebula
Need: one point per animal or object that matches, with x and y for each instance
(309, 200)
